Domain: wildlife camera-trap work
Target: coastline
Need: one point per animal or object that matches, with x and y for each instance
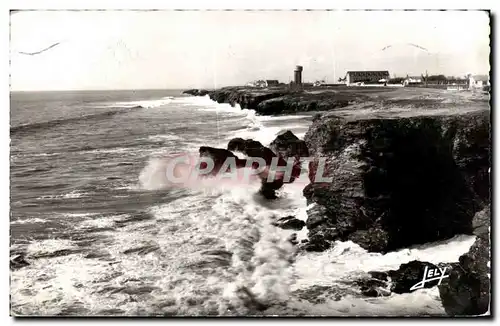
(409, 166)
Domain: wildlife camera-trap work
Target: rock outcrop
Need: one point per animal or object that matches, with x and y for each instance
(401, 280)
(399, 176)
(467, 290)
(196, 92)
(278, 100)
(240, 144)
(286, 144)
(218, 156)
(289, 223)
(255, 149)
(18, 261)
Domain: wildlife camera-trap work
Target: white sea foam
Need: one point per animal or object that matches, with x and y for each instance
(169, 137)
(34, 220)
(147, 104)
(214, 252)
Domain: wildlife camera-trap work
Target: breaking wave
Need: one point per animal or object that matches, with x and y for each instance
(208, 248)
(36, 127)
(146, 104)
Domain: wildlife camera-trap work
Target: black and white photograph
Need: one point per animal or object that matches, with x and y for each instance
(250, 163)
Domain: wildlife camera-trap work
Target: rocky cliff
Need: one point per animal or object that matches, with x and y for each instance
(400, 176)
(406, 166)
(467, 290)
(279, 100)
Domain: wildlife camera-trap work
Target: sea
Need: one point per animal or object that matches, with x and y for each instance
(106, 234)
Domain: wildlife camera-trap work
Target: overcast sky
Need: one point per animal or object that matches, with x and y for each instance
(179, 49)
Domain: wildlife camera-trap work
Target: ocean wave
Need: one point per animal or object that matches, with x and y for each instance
(35, 127)
(34, 220)
(147, 104)
(170, 137)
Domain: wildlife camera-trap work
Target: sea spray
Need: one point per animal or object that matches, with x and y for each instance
(262, 263)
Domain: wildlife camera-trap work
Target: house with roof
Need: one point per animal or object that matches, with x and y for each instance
(263, 83)
(478, 81)
(272, 82)
(366, 77)
(413, 80)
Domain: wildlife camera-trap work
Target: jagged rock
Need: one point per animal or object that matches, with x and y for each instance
(247, 98)
(372, 287)
(481, 223)
(279, 100)
(268, 189)
(467, 290)
(219, 156)
(399, 178)
(18, 261)
(373, 239)
(288, 145)
(254, 149)
(293, 239)
(316, 215)
(289, 222)
(407, 275)
(321, 239)
(400, 280)
(196, 92)
(302, 102)
(240, 144)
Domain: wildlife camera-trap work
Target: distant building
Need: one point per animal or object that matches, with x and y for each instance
(478, 81)
(366, 77)
(413, 80)
(457, 84)
(298, 75)
(263, 83)
(272, 82)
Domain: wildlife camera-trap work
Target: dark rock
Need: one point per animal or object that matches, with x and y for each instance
(302, 102)
(268, 189)
(467, 290)
(293, 239)
(196, 92)
(372, 287)
(57, 253)
(254, 149)
(240, 144)
(382, 276)
(290, 223)
(247, 98)
(316, 215)
(18, 261)
(399, 281)
(373, 239)
(398, 179)
(319, 294)
(317, 242)
(288, 145)
(410, 274)
(481, 223)
(219, 156)
(279, 100)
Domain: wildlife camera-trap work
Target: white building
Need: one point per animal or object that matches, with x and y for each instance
(412, 80)
(478, 81)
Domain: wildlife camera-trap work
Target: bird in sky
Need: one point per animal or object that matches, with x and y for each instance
(41, 51)
(410, 44)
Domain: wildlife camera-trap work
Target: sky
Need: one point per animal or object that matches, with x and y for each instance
(204, 49)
